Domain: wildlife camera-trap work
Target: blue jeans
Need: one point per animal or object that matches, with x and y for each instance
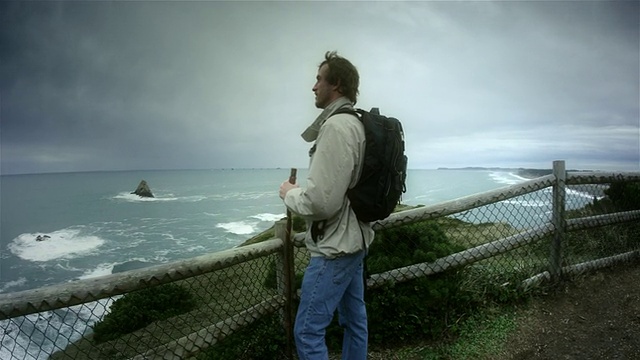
(331, 284)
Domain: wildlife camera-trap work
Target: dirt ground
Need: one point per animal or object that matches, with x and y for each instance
(592, 317)
(596, 316)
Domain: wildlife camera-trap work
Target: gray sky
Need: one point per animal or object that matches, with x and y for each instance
(199, 85)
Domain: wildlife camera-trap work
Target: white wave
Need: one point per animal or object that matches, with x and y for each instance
(37, 336)
(578, 199)
(21, 281)
(198, 248)
(248, 227)
(129, 197)
(527, 203)
(108, 268)
(582, 194)
(506, 178)
(66, 267)
(249, 195)
(100, 270)
(268, 217)
(238, 227)
(193, 198)
(66, 243)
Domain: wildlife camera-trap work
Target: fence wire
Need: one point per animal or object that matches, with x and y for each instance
(175, 320)
(599, 242)
(500, 240)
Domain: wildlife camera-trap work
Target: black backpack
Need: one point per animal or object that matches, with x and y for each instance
(384, 172)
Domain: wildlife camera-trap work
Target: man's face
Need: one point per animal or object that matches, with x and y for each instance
(325, 92)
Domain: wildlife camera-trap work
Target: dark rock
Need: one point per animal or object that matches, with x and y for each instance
(143, 190)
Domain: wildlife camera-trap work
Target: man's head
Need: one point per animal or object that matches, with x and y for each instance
(336, 77)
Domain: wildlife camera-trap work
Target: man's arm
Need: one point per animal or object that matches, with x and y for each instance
(330, 173)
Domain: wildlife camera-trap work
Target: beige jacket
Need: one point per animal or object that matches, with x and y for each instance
(335, 166)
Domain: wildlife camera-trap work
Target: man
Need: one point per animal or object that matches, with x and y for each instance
(336, 240)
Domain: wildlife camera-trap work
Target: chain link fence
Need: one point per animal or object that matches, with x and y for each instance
(171, 311)
(515, 237)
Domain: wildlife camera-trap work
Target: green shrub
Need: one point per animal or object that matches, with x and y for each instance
(601, 242)
(271, 280)
(624, 195)
(138, 309)
(298, 224)
(264, 339)
(420, 307)
(407, 245)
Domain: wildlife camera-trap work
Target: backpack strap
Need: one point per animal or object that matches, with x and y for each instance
(374, 111)
(317, 227)
(354, 112)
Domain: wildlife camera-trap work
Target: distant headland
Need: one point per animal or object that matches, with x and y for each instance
(524, 172)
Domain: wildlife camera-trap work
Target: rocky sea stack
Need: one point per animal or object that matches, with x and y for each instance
(143, 190)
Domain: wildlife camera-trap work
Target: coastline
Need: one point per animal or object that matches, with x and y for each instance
(523, 172)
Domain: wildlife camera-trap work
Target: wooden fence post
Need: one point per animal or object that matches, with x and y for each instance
(558, 219)
(284, 271)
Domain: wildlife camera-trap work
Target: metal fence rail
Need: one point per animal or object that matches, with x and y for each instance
(541, 229)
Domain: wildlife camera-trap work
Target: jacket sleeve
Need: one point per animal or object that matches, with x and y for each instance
(331, 172)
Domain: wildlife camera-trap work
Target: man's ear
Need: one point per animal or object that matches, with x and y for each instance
(336, 87)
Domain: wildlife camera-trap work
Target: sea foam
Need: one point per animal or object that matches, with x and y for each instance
(100, 270)
(268, 217)
(248, 227)
(21, 281)
(507, 178)
(129, 197)
(37, 336)
(238, 227)
(66, 243)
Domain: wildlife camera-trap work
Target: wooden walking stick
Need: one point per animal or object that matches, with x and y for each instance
(288, 275)
(292, 179)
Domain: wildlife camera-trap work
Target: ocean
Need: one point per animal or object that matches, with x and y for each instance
(95, 226)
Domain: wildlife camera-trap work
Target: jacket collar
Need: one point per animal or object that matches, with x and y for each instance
(311, 133)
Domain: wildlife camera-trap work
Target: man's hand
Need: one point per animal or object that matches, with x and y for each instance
(285, 187)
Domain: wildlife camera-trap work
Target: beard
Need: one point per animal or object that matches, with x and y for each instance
(321, 101)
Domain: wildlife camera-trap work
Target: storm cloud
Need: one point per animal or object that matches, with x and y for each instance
(196, 85)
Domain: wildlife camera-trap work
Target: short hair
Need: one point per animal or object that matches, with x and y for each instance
(343, 73)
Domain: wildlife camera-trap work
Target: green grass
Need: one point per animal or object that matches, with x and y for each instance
(481, 336)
